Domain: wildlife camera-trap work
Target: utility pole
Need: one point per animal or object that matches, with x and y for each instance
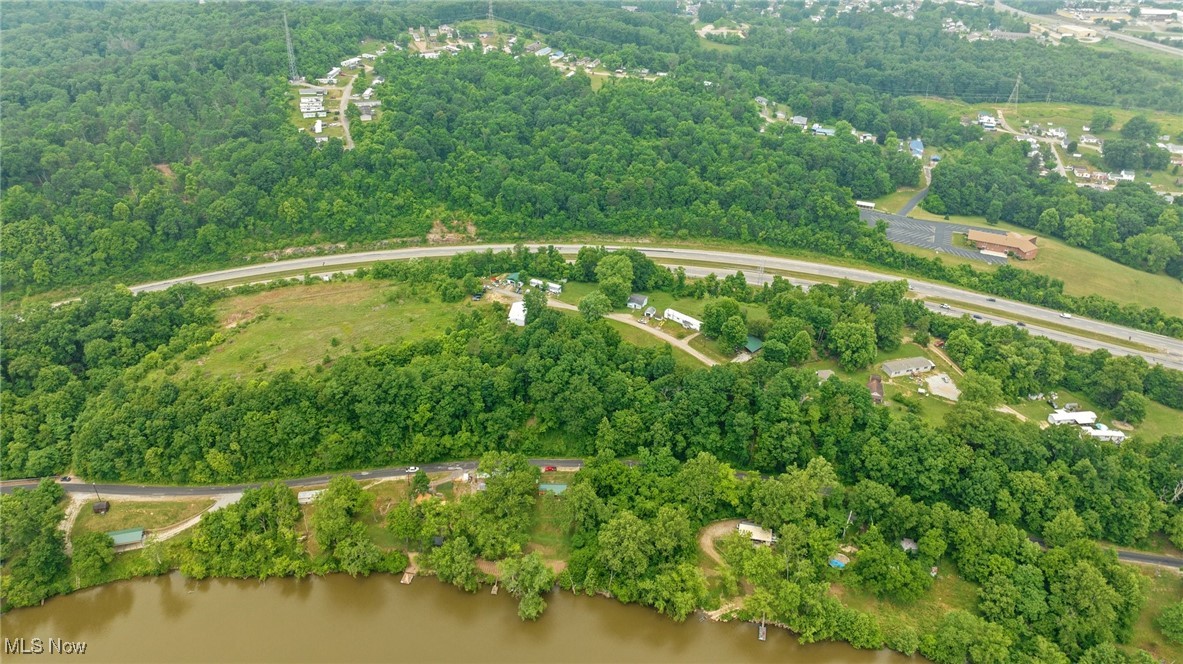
(293, 75)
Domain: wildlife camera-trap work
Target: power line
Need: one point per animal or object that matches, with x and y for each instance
(293, 75)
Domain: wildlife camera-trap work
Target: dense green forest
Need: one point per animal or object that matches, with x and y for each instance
(1129, 224)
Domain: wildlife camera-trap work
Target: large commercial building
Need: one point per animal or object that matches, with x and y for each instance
(1019, 245)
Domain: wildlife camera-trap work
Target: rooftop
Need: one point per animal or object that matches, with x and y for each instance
(1016, 241)
(128, 536)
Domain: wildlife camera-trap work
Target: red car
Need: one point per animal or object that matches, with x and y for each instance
(550, 469)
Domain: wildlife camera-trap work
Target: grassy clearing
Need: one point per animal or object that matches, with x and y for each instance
(1166, 587)
(1069, 116)
(931, 408)
(949, 591)
(894, 201)
(710, 348)
(643, 339)
(148, 515)
(708, 45)
(299, 326)
(1083, 272)
(1160, 420)
(548, 535)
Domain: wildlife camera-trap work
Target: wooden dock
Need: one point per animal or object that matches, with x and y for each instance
(408, 578)
(494, 588)
(763, 632)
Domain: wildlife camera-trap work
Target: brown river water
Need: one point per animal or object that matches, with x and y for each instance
(341, 619)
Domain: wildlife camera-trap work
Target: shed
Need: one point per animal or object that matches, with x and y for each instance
(517, 313)
(128, 537)
(650, 312)
(637, 301)
(753, 345)
(100, 507)
(907, 366)
(306, 497)
(875, 385)
(756, 533)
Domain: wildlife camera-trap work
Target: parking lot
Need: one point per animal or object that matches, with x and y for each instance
(935, 235)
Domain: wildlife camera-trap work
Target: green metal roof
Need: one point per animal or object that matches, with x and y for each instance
(129, 536)
(753, 344)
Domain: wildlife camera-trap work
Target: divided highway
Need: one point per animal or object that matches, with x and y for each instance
(1167, 351)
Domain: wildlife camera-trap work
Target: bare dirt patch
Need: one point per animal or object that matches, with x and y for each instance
(166, 169)
(451, 233)
(714, 531)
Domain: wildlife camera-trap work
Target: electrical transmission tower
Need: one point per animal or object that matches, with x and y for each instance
(490, 13)
(1013, 100)
(293, 75)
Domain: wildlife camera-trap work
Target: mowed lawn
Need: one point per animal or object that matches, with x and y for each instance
(149, 515)
(1083, 272)
(298, 326)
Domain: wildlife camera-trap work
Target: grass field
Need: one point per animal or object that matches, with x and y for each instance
(949, 591)
(1083, 272)
(1069, 116)
(643, 339)
(1166, 587)
(148, 515)
(894, 201)
(298, 326)
(548, 536)
(1160, 420)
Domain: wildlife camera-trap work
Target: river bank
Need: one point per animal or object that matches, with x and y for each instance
(339, 618)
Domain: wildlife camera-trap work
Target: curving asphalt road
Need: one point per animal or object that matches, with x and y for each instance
(1168, 351)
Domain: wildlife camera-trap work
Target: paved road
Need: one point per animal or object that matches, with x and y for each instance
(935, 235)
(914, 201)
(1168, 351)
(1056, 19)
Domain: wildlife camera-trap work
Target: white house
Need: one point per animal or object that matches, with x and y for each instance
(368, 93)
(636, 301)
(1080, 418)
(517, 313)
(1108, 435)
(907, 366)
(318, 127)
(688, 322)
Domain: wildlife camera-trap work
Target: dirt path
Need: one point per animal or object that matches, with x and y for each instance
(683, 344)
(345, 120)
(708, 535)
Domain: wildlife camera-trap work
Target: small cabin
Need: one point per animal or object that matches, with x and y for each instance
(100, 507)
